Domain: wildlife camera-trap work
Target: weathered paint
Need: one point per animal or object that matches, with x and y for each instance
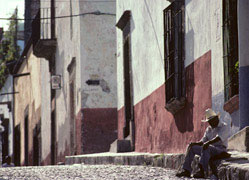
(45, 109)
(79, 120)
(216, 37)
(157, 130)
(46, 160)
(203, 35)
(243, 29)
(28, 100)
(121, 123)
(4, 109)
(147, 59)
(99, 129)
(98, 55)
(90, 40)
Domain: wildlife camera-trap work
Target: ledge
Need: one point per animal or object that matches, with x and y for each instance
(44, 48)
(232, 104)
(240, 141)
(174, 105)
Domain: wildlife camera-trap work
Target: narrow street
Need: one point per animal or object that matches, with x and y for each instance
(88, 172)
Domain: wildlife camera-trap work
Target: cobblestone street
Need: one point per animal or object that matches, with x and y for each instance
(88, 172)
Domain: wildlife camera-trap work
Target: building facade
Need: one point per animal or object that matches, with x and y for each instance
(83, 111)
(174, 61)
(27, 109)
(6, 112)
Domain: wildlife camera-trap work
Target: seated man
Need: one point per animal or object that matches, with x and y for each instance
(213, 143)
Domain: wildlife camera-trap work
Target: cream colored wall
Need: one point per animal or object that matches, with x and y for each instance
(29, 95)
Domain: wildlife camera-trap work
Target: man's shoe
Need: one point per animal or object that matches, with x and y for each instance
(199, 174)
(183, 173)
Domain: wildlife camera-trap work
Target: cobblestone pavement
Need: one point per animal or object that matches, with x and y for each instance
(88, 172)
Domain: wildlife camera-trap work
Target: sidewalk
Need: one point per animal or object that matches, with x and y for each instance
(236, 167)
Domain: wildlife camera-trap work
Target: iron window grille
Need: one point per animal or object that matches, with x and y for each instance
(174, 36)
(230, 48)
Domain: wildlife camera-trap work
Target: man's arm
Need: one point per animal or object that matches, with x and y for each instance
(212, 141)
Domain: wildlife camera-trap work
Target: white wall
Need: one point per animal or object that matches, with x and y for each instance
(148, 46)
(147, 54)
(45, 109)
(8, 88)
(45, 88)
(90, 39)
(67, 34)
(98, 55)
(203, 32)
(197, 29)
(217, 62)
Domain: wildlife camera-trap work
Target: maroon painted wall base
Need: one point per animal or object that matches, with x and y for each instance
(157, 130)
(99, 129)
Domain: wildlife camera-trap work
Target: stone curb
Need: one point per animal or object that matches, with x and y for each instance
(234, 168)
(172, 161)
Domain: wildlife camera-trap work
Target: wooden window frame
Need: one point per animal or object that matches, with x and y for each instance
(230, 49)
(174, 54)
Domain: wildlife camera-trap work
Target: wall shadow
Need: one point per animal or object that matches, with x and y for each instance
(184, 118)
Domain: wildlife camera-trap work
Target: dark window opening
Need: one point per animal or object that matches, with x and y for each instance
(5, 139)
(125, 25)
(174, 55)
(26, 136)
(17, 145)
(230, 48)
(37, 145)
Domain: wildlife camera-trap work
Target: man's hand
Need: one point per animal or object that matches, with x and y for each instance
(212, 141)
(205, 145)
(195, 143)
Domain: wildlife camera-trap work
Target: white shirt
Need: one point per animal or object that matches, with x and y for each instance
(222, 131)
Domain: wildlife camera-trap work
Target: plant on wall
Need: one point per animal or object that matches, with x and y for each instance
(236, 66)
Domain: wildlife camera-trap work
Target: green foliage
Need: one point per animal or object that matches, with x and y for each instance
(237, 66)
(8, 48)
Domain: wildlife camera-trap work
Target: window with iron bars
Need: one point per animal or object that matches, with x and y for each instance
(230, 48)
(174, 55)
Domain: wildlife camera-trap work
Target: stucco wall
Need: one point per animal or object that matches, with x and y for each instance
(203, 33)
(216, 17)
(98, 62)
(243, 29)
(28, 100)
(98, 55)
(90, 40)
(67, 48)
(45, 110)
(147, 54)
(8, 113)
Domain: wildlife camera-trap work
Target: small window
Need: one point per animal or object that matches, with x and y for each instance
(230, 48)
(174, 55)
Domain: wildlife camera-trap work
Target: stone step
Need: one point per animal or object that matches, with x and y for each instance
(239, 141)
(120, 146)
(234, 168)
(172, 161)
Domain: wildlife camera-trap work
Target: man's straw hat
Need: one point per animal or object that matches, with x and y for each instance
(210, 114)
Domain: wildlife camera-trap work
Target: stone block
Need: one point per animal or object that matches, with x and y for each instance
(240, 140)
(120, 146)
